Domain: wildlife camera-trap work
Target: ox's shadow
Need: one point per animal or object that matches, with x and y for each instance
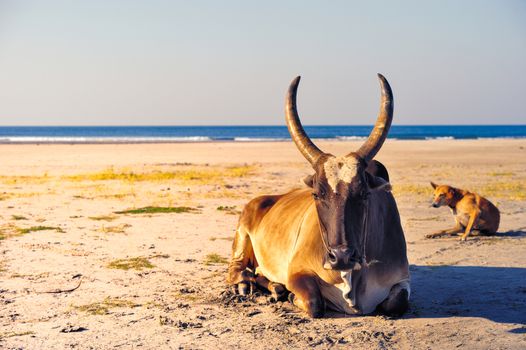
(495, 293)
(511, 233)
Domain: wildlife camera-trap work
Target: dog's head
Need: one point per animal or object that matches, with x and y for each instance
(443, 195)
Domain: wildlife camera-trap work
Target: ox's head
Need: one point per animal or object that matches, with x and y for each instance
(340, 185)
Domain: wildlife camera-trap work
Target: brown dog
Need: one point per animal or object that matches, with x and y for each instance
(471, 211)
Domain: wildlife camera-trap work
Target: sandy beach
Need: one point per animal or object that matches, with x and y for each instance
(84, 265)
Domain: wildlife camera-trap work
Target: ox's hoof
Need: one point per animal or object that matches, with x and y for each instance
(245, 288)
(277, 292)
(315, 308)
(291, 298)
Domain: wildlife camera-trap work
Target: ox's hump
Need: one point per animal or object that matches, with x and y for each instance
(340, 169)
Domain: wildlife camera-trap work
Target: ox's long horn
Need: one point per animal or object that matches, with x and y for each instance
(298, 135)
(377, 137)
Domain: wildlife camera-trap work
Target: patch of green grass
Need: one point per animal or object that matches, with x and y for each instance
(39, 228)
(214, 259)
(14, 334)
(137, 263)
(156, 210)
(103, 217)
(103, 307)
(18, 217)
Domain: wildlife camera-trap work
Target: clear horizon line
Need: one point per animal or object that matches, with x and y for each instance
(234, 125)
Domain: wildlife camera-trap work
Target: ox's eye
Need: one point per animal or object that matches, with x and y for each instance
(319, 194)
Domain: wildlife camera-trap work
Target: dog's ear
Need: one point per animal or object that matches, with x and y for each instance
(309, 180)
(434, 185)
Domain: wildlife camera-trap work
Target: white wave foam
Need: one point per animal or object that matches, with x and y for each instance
(350, 138)
(440, 138)
(73, 139)
(255, 139)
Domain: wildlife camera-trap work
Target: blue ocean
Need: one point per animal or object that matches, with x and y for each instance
(136, 134)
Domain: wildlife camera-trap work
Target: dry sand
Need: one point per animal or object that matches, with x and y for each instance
(465, 295)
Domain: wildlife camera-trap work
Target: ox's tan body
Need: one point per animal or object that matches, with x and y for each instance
(336, 244)
(280, 236)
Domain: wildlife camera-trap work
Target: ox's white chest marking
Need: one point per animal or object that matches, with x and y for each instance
(347, 282)
(346, 288)
(340, 169)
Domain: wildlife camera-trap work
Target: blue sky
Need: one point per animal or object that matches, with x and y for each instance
(230, 62)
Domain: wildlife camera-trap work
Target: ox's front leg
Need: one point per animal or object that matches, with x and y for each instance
(306, 294)
(276, 290)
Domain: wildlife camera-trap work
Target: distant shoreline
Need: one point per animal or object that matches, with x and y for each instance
(201, 134)
(180, 141)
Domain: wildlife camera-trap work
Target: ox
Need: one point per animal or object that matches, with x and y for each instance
(336, 244)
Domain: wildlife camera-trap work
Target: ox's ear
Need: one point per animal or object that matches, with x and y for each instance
(308, 180)
(377, 183)
(434, 185)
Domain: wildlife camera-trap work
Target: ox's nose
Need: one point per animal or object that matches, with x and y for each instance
(341, 258)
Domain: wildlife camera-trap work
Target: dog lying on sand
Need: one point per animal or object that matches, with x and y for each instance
(471, 211)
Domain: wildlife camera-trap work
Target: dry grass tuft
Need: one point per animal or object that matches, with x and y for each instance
(115, 229)
(137, 263)
(417, 189)
(512, 190)
(229, 209)
(502, 173)
(222, 238)
(104, 307)
(17, 180)
(214, 259)
(10, 230)
(103, 217)
(206, 175)
(40, 228)
(156, 210)
(14, 334)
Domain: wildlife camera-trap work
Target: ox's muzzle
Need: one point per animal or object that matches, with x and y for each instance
(342, 259)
